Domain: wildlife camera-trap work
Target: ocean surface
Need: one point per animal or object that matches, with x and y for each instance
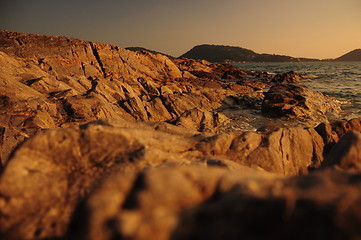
(338, 79)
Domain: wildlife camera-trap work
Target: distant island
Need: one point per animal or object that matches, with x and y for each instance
(220, 53)
(226, 54)
(353, 56)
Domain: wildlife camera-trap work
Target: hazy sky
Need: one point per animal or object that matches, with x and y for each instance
(300, 28)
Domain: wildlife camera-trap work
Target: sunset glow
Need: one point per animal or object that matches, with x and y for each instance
(309, 28)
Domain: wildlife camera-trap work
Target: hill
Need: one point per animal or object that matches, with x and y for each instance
(220, 53)
(353, 56)
(134, 49)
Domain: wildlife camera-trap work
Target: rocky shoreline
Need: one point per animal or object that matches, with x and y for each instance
(98, 142)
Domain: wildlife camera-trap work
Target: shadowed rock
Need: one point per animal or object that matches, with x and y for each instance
(205, 69)
(193, 203)
(332, 132)
(288, 77)
(346, 153)
(293, 101)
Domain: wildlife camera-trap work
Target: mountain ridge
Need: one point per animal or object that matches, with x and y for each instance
(223, 53)
(352, 56)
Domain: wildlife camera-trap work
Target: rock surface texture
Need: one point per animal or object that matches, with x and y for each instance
(98, 142)
(294, 101)
(218, 204)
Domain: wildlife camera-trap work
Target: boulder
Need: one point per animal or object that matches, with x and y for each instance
(230, 72)
(179, 103)
(194, 203)
(346, 153)
(294, 101)
(332, 132)
(285, 151)
(190, 65)
(205, 69)
(341, 127)
(199, 120)
(288, 77)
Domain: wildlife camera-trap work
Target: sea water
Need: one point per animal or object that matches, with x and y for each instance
(338, 79)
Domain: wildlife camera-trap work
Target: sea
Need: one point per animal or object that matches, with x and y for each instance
(341, 80)
(338, 79)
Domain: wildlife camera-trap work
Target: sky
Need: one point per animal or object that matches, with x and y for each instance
(299, 28)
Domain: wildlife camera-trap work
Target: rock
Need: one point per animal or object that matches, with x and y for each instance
(203, 74)
(164, 90)
(285, 151)
(328, 135)
(57, 168)
(179, 103)
(82, 96)
(230, 72)
(201, 120)
(23, 111)
(49, 82)
(63, 57)
(332, 132)
(293, 101)
(146, 205)
(205, 69)
(193, 203)
(150, 87)
(345, 154)
(156, 111)
(288, 77)
(244, 101)
(342, 127)
(190, 65)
